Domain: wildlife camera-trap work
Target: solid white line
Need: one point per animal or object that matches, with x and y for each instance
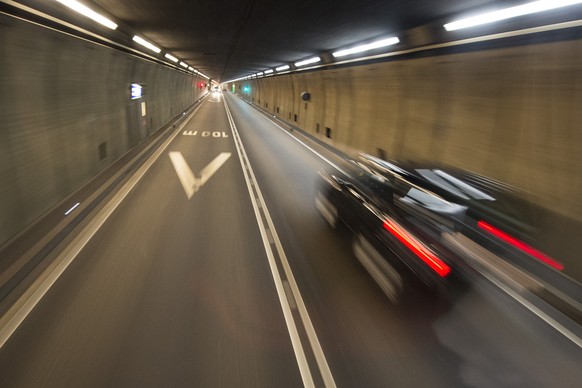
(550, 321)
(71, 209)
(308, 147)
(478, 253)
(291, 326)
(26, 303)
(542, 315)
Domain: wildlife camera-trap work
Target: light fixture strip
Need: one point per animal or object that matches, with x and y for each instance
(282, 68)
(268, 71)
(183, 64)
(171, 58)
(146, 44)
(511, 12)
(88, 12)
(307, 61)
(366, 47)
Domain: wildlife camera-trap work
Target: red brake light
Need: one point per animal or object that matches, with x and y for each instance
(418, 248)
(520, 245)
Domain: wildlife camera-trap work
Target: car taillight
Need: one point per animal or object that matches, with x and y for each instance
(520, 245)
(436, 264)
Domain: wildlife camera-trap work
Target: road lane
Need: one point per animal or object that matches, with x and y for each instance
(170, 291)
(484, 339)
(177, 291)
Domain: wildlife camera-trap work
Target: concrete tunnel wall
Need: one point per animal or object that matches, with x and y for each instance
(66, 114)
(512, 114)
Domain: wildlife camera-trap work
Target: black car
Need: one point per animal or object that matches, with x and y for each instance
(421, 225)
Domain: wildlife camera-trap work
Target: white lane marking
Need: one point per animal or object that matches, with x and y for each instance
(71, 209)
(332, 164)
(567, 333)
(14, 317)
(189, 181)
(258, 203)
(484, 259)
(185, 174)
(212, 167)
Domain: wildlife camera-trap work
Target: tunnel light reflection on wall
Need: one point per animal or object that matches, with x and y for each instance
(511, 12)
(146, 44)
(171, 58)
(282, 68)
(86, 11)
(307, 61)
(366, 47)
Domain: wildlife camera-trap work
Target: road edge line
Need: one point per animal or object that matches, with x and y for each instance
(306, 321)
(18, 312)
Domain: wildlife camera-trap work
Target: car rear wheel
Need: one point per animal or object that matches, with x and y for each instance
(388, 278)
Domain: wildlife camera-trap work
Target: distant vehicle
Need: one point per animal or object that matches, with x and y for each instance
(417, 226)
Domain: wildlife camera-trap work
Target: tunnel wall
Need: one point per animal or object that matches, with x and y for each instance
(66, 114)
(512, 114)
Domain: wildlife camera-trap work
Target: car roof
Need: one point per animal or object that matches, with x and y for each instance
(487, 198)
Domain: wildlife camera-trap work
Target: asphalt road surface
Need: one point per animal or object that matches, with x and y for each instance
(216, 270)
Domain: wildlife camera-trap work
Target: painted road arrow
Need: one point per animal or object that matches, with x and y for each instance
(190, 182)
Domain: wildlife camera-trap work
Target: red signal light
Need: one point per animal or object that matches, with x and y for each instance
(520, 245)
(436, 264)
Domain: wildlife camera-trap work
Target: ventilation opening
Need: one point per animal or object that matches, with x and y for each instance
(328, 132)
(295, 118)
(277, 109)
(317, 128)
(266, 104)
(102, 151)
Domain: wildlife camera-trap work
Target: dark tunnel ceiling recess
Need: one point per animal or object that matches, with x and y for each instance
(229, 39)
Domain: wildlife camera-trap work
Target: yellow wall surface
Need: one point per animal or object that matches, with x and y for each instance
(512, 114)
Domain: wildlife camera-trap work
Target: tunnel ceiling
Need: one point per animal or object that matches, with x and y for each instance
(230, 39)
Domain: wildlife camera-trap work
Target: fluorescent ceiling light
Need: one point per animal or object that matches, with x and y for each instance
(190, 68)
(184, 64)
(146, 44)
(268, 71)
(86, 11)
(507, 13)
(281, 68)
(307, 61)
(366, 47)
(260, 73)
(171, 58)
